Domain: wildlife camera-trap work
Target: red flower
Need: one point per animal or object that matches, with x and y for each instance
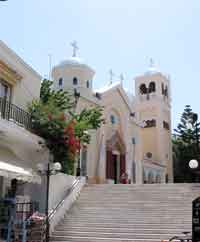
(71, 141)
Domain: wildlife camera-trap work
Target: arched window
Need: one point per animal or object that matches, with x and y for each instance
(143, 89)
(112, 119)
(75, 81)
(60, 82)
(152, 87)
(166, 92)
(163, 88)
(88, 84)
(150, 123)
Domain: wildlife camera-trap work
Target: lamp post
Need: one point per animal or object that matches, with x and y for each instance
(194, 164)
(47, 170)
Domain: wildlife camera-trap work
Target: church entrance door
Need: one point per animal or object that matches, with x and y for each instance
(116, 168)
(115, 158)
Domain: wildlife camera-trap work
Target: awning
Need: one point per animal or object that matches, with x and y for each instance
(19, 173)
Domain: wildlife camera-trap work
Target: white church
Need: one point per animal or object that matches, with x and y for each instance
(136, 137)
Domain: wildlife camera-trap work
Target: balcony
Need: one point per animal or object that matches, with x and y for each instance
(15, 114)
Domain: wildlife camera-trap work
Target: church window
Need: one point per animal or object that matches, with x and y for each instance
(166, 125)
(150, 123)
(163, 88)
(112, 119)
(133, 141)
(88, 84)
(60, 82)
(75, 81)
(152, 87)
(143, 89)
(149, 155)
(166, 92)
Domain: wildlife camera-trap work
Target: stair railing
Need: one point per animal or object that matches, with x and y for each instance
(74, 188)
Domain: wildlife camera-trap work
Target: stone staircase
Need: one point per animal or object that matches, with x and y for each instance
(137, 213)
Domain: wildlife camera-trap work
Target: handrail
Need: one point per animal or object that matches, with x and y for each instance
(66, 194)
(12, 112)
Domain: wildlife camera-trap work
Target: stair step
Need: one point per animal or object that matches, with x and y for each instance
(137, 213)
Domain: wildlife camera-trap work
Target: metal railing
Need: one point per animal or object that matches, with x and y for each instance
(13, 113)
(14, 214)
(66, 194)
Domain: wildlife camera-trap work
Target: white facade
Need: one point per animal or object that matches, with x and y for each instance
(19, 85)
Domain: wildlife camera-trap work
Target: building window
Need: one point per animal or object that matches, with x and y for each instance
(5, 90)
(164, 90)
(133, 141)
(75, 81)
(150, 123)
(88, 84)
(112, 119)
(60, 82)
(152, 87)
(143, 89)
(166, 125)
(148, 155)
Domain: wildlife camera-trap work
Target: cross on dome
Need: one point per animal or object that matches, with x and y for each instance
(111, 74)
(75, 48)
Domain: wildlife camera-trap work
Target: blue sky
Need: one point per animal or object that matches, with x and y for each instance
(118, 34)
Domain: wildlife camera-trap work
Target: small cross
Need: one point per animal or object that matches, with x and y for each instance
(75, 48)
(151, 63)
(111, 75)
(121, 77)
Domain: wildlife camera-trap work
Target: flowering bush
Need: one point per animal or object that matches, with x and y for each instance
(64, 131)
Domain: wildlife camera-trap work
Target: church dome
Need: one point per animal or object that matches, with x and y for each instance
(73, 73)
(75, 61)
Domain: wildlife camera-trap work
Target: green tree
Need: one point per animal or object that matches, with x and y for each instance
(63, 130)
(185, 145)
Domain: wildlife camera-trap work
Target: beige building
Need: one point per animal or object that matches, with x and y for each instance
(136, 136)
(20, 149)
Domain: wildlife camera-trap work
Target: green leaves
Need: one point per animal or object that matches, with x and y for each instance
(61, 99)
(51, 117)
(186, 145)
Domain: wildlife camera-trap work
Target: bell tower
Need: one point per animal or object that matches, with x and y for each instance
(153, 108)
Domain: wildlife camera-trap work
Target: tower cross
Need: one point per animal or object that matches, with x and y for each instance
(151, 63)
(75, 48)
(121, 77)
(111, 75)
